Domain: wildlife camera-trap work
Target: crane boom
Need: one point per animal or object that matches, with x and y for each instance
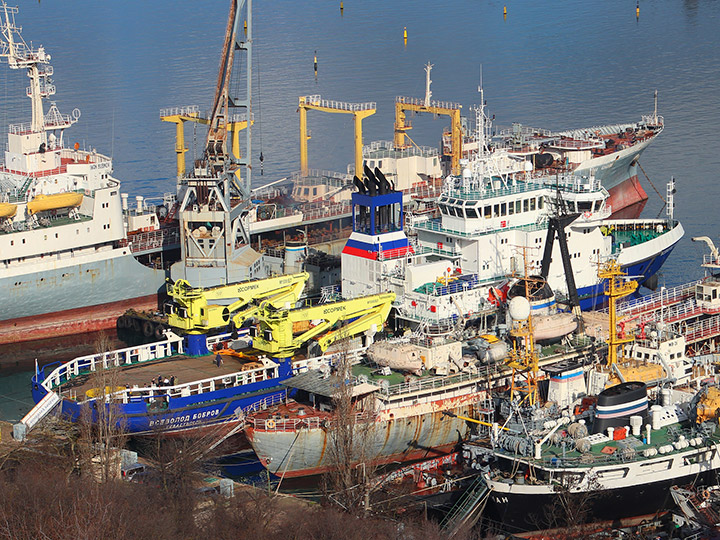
(281, 332)
(193, 308)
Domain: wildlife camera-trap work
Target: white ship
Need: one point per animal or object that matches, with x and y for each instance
(608, 152)
(66, 261)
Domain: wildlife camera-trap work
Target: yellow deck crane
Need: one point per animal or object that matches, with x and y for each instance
(194, 311)
(180, 115)
(360, 111)
(405, 104)
(281, 332)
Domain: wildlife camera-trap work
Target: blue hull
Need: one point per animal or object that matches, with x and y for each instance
(593, 297)
(179, 415)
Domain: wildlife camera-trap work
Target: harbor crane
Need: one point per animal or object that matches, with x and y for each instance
(360, 111)
(214, 208)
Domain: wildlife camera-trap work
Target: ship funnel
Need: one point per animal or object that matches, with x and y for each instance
(360, 186)
(139, 199)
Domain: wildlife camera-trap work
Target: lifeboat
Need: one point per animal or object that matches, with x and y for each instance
(553, 327)
(54, 202)
(7, 210)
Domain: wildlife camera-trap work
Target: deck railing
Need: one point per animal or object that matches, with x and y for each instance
(303, 422)
(120, 357)
(267, 372)
(422, 385)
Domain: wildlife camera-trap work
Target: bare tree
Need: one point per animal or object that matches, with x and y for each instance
(103, 426)
(350, 450)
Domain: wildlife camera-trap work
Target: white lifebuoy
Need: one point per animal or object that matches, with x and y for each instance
(470, 313)
(270, 424)
(587, 215)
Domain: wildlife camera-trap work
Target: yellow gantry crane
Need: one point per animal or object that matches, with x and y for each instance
(360, 111)
(191, 113)
(405, 104)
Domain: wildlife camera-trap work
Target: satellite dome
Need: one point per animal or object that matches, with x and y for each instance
(519, 308)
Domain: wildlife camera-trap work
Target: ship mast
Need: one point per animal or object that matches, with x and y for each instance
(19, 55)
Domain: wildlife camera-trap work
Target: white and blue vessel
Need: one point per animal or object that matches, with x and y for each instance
(456, 266)
(201, 394)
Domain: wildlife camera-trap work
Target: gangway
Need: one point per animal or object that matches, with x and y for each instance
(360, 111)
(468, 508)
(41, 409)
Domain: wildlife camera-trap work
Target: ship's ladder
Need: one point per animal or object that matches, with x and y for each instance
(25, 187)
(468, 508)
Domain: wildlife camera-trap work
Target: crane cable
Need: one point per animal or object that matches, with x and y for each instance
(257, 76)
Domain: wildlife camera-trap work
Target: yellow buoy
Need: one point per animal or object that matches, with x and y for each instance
(405, 33)
(315, 63)
(341, 7)
(505, 10)
(637, 9)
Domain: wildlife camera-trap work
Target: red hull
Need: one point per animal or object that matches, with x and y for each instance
(625, 198)
(72, 321)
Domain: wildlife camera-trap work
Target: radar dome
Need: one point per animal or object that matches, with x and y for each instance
(519, 308)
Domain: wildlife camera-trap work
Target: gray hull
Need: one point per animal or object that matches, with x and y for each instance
(84, 285)
(308, 451)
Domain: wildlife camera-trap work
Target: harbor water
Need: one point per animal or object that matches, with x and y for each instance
(561, 66)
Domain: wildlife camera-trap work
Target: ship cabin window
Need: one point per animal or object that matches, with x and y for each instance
(714, 294)
(598, 204)
(532, 204)
(496, 210)
(380, 164)
(541, 202)
(314, 191)
(487, 212)
(518, 206)
(584, 206)
(526, 205)
(471, 213)
(503, 209)
(443, 209)
(511, 208)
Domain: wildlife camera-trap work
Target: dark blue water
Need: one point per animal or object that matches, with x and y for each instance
(557, 65)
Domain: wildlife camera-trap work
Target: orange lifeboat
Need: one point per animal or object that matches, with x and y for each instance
(53, 202)
(7, 210)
